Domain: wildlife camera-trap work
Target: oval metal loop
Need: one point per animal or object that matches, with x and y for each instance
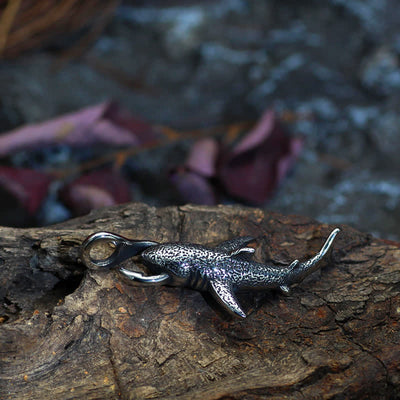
(124, 249)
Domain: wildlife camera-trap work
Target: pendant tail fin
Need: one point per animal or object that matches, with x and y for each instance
(302, 269)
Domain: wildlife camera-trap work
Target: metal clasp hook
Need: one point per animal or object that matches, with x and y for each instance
(123, 249)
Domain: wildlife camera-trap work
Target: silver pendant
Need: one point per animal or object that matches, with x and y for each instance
(221, 270)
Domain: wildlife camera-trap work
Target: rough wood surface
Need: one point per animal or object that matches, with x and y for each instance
(68, 333)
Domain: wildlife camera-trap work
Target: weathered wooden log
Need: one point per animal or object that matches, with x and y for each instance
(71, 333)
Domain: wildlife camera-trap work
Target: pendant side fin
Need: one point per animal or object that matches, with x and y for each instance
(223, 293)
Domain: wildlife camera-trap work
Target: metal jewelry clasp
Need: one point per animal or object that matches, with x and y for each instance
(123, 249)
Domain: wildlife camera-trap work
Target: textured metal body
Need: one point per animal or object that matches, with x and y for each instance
(224, 269)
(220, 270)
(196, 266)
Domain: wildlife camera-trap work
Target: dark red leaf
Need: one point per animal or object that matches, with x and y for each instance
(258, 135)
(95, 190)
(256, 165)
(27, 186)
(122, 118)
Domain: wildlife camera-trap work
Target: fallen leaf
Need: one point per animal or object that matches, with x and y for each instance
(95, 190)
(192, 179)
(203, 156)
(105, 123)
(252, 170)
(193, 187)
(29, 187)
(123, 118)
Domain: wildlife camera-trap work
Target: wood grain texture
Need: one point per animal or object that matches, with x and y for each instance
(71, 333)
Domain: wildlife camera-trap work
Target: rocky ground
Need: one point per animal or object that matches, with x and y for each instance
(331, 69)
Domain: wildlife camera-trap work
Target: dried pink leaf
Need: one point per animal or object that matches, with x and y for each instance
(203, 156)
(285, 163)
(104, 123)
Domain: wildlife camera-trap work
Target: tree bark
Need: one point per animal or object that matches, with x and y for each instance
(71, 333)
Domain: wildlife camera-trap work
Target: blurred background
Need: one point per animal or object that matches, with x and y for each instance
(290, 106)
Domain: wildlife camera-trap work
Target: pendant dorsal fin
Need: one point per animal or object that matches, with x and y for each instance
(223, 293)
(237, 246)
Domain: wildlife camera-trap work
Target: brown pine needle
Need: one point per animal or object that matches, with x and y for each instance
(6, 21)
